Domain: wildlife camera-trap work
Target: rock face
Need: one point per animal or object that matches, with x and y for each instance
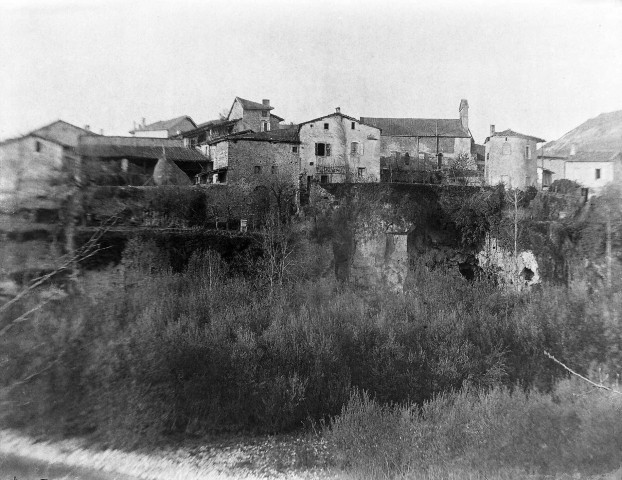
(518, 272)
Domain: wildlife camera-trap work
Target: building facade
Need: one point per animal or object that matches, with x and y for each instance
(594, 170)
(165, 128)
(260, 158)
(337, 148)
(511, 159)
(413, 144)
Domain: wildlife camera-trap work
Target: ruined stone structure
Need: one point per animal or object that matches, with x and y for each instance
(336, 148)
(511, 159)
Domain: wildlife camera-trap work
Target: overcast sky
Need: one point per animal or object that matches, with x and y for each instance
(540, 68)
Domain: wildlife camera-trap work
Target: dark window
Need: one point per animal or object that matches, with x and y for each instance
(597, 173)
(202, 137)
(361, 171)
(264, 113)
(353, 125)
(406, 158)
(274, 169)
(38, 146)
(527, 152)
(322, 149)
(257, 169)
(295, 149)
(326, 126)
(354, 148)
(488, 156)
(324, 179)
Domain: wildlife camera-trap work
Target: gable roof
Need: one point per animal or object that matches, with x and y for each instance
(171, 126)
(418, 127)
(249, 105)
(512, 133)
(62, 132)
(209, 124)
(594, 157)
(138, 147)
(334, 114)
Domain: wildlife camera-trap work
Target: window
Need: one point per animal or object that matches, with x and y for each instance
(38, 146)
(527, 152)
(406, 158)
(597, 173)
(193, 142)
(202, 137)
(488, 156)
(324, 179)
(353, 125)
(354, 148)
(326, 126)
(274, 170)
(265, 127)
(264, 113)
(295, 149)
(257, 170)
(322, 149)
(361, 172)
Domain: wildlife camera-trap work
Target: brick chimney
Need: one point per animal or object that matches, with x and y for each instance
(338, 109)
(492, 130)
(464, 113)
(266, 102)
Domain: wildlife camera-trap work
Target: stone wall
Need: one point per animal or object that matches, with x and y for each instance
(261, 162)
(364, 165)
(507, 163)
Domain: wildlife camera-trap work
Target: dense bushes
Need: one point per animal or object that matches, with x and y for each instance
(147, 353)
(475, 431)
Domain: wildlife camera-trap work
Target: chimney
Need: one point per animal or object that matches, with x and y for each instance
(492, 130)
(464, 113)
(573, 149)
(338, 109)
(87, 128)
(144, 123)
(266, 102)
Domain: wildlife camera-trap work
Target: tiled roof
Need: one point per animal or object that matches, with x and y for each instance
(277, 117)
(418, 127)
(210, 124)
(282, 135)
(335, 114)
(248, 105)
(594, 157)
(512, 133)
(171, 125)
(138, 147)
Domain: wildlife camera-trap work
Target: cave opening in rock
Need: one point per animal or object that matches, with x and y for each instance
(527, 274)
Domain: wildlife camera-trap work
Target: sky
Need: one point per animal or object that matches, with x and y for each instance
(537, 67)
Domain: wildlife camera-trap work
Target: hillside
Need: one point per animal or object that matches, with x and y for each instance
(602, 133)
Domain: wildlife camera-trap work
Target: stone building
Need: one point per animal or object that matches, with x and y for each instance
(413, 144)
(244, 115)
(36, 168)
(256, 158)
(594, 170)
(336, 148)
(511, 159)
(165, 128)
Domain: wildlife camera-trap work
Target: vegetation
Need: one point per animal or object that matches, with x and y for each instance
(449, 376)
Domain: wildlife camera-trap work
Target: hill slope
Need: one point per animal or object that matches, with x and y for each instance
(602, 133)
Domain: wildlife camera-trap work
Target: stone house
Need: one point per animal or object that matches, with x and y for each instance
(594, 170)
(244, 115)
(36, 168)
(511, 159)
(336, 148)
(413, 144)
(256, 158)
(134, 160)
(165, 128)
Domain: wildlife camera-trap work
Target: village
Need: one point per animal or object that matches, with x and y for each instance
(253, 145)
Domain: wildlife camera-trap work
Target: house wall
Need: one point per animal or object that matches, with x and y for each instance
(26, 174)
(245, 155)
(340, 136)
(557, 166)
(511, 167)
(585, 173)
(450, 147)
(219, 154)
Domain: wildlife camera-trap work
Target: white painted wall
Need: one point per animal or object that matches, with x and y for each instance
(585, 173)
